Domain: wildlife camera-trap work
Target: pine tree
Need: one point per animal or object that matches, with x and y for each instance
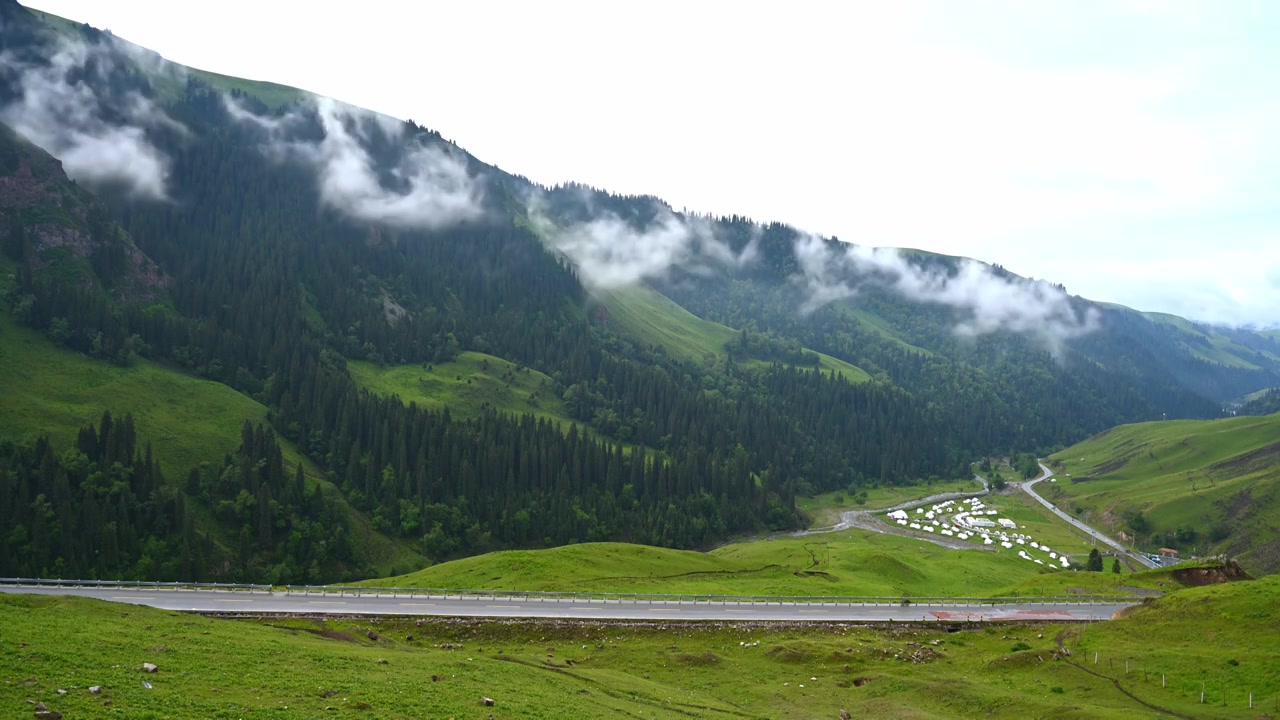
(1094, 564)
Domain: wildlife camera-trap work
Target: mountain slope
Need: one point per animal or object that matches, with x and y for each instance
(1048, 391)
(652, 319)
(290, 280)
(303, 241)
(1262, 402)
(1203, 487)
(189, 422)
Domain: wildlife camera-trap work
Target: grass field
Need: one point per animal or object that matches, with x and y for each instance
(1217, 479)
(1040, 525)
(1035, 520)
(875, 323)
(272, 94)
(298, 668)
(1032, 517)
(466, 385)
(846, 563)
(1257, 394)
(189, 421)
(49, 390)
(824, 510)
(170, 86)
(1206, 343)
(851, 562)
(651, 318)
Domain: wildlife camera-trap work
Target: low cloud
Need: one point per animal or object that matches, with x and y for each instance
(986, 301)
(434, 189)
(611, 253)
(1273, 277)
(61, 111)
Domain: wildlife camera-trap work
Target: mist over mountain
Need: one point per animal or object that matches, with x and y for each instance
(293, 245)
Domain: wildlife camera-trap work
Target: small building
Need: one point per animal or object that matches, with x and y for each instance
(1168, 553)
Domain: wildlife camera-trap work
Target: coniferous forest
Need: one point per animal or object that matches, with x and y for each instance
(246, 277)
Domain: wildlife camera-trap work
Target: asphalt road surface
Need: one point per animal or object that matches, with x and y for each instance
(297, 603)
(1045, 474)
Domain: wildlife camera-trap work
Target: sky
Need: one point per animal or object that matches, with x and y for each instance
(1126, 149)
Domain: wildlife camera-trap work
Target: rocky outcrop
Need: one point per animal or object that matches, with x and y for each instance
(53, 213)
(1211, 575)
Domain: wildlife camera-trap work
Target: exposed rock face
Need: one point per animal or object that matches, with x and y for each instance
(56, 214)
(1196, 577)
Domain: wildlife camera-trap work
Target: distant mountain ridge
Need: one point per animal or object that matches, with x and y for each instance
(720, 365)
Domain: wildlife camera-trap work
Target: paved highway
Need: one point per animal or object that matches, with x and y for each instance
(298, 603)
(1045, 474)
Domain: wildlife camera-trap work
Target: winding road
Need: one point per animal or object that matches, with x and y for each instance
(373, 602)
(867, 520)
(1045, 474)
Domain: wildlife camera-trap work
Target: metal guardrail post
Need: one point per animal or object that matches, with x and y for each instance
(575, 597)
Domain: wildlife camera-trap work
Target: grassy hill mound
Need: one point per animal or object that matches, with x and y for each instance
(1204, 487)
(845, 563)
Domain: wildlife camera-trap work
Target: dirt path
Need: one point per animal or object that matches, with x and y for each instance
(867, 520)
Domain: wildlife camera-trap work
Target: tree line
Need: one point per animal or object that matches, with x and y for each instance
(272, 293)
(103, 509)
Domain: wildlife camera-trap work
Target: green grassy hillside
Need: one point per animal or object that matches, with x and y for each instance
(52, 391)
(1209, 344)
(878, 325)
(1151, 663)
(189, 421)
(1203, 486)
(824, 509)
(467, 385)
(273, 94)
(846, 563)
(850, 562)
(1257, 394)
(651, 318)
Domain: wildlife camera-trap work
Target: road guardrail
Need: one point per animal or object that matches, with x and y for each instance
(132, 584)
(578, 597)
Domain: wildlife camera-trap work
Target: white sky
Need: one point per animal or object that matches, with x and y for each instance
(1127, 148)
